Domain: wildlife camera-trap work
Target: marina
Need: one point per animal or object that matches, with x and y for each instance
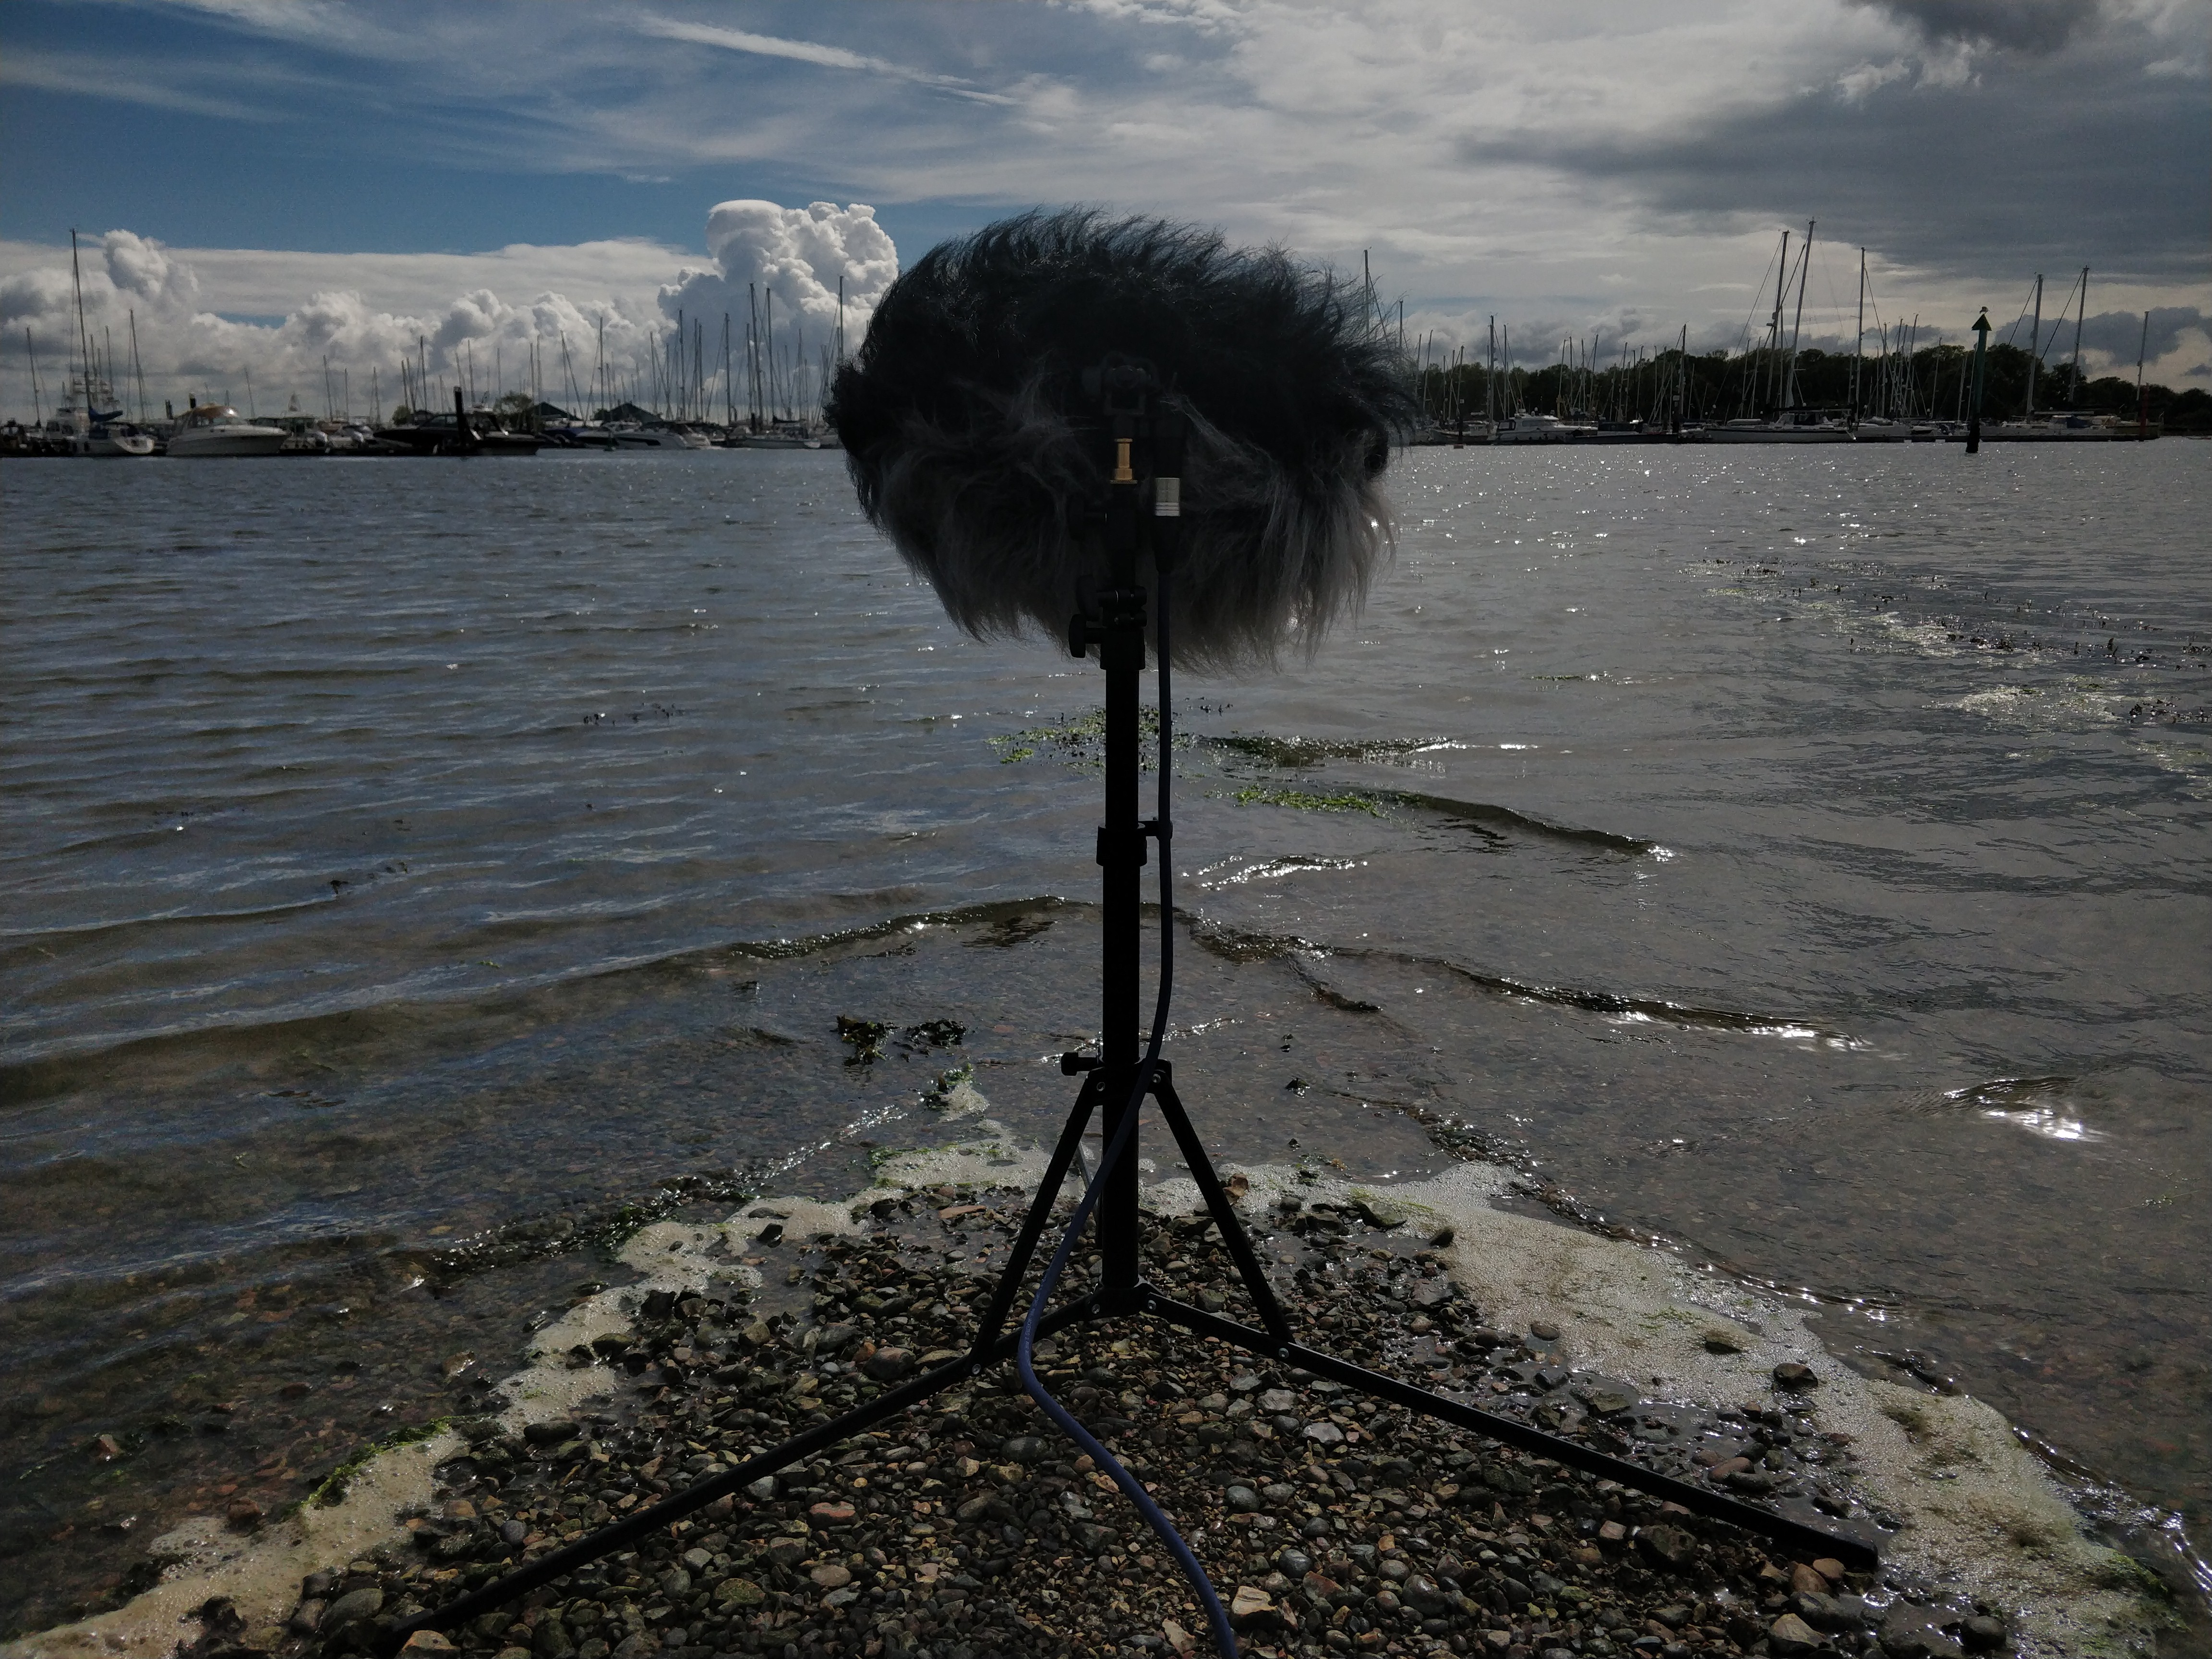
(758, 394)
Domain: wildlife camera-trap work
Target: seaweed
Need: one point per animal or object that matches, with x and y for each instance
(334, 1485)
(1079, 740)
(1344, 800)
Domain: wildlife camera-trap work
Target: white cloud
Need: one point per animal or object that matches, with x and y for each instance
(821, 267)
(810, 52)
(200, 314)
(1861, 83)
(1494, 157)
(807, 257)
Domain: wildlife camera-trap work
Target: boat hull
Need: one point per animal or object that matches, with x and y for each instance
(1807, 435)
(2056, 433)
(436, 440)
(1881, 432)
(116, 446)
(220, 442)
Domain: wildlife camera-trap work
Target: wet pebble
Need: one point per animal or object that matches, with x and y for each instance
(969, 1528)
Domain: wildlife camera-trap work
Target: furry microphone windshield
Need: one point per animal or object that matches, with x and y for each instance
(974, 449)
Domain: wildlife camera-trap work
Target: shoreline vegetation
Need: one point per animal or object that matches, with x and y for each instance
(967, 1530)
(1719, 386)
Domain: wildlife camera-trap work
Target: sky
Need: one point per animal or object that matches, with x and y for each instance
(264, 186)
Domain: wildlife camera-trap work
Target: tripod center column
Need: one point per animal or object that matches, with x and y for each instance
(1121, 849)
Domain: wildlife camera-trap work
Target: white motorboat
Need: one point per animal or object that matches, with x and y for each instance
(1790, 427)
(207, 429)
(2067, 428)
(787, 435)
(1881, 429)
(1540, 429)
(627, 435)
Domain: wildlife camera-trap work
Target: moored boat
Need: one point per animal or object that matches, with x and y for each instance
(1881, 429)
(213, 429)
(631, 434)
(788, 434)
(116, 439)
(1791, 426)
(579, 434)
(2068, 427)
(1527, 428)
(442, 434)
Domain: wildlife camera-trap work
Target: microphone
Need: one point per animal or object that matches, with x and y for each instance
(977, 451)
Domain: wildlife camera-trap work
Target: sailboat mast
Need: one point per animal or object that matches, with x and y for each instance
(2081, 310)
(1797, 322)
(1490, 378)
(2034, 345)
(1858, 345)
(138, 373)
(752, 359)
(83, 340)
(1770, 369)
(2142, 399)
(1682, 380)
(768, 313)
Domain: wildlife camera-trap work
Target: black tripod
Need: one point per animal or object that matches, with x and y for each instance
(1117, 629)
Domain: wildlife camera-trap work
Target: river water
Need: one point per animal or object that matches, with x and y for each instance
(1801, 856)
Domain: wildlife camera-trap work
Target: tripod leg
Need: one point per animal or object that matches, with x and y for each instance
(1702, 1500)
(1033, 1226)
(1223, 1211)
(676, 1505)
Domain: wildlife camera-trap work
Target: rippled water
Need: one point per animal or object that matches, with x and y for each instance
(1803, 856)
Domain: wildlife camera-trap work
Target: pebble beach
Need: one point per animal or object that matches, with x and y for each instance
(969, 1528)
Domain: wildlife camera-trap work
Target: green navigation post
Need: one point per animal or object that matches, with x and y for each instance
(1981, 365)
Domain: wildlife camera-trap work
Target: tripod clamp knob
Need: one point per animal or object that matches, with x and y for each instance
(1072, 1063)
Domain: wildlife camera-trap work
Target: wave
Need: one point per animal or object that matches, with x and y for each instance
(40, 1070)
(1235, 944)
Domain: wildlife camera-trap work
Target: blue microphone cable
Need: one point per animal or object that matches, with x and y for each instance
(1224, 1639)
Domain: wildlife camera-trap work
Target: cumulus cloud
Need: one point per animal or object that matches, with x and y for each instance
(801, 255)
(211, 322)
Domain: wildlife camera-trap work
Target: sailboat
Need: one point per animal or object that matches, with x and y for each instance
(1791, 422)
(2062, 425)
(1883, 428)
(82, 426)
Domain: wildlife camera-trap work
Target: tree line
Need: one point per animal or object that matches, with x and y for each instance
(1930, 383)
